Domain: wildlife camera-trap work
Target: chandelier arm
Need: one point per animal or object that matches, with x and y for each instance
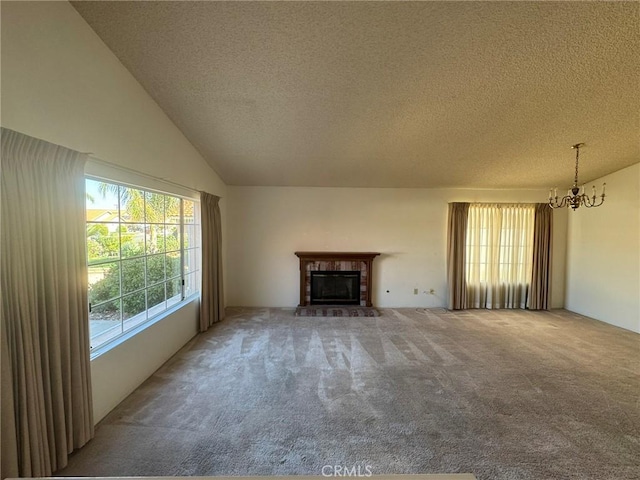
(594, 204)
(564, 201)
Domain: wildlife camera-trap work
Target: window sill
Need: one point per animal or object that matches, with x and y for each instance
(120, 339)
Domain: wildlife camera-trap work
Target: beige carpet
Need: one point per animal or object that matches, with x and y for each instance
(500, 394)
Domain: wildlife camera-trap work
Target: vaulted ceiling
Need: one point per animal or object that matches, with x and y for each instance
(389, 94)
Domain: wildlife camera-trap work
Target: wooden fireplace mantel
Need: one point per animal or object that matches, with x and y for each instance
(309, 257)
(337, 256)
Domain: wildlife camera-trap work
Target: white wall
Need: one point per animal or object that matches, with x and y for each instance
(131, 363)
(603, 264)
(407, 226)
(60, 83)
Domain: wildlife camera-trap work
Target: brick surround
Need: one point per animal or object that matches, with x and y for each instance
(336, 261)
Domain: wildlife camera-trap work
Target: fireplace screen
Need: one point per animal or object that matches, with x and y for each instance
(335, 288)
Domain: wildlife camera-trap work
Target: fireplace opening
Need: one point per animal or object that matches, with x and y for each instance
(335, 287)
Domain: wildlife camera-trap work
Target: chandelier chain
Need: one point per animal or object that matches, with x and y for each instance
(575, 183)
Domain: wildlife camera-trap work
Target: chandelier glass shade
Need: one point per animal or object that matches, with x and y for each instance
(575, 196)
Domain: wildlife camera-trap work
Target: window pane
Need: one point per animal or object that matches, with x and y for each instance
(133, 305)
(105, 322)
(132, 238)
(155, 299)
(133, 277)
(191, 260)
(155, 239)
(172, 205)
(103, 242)
(174, 291)
(154, 207)
(104, 282)
(192, 284)
(155, 269)
(101, 201)
(131, 205)
(190, 236)
(172, 237)
(189, 211)
(173, 264)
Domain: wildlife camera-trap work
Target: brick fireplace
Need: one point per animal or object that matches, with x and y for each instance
(348, 262)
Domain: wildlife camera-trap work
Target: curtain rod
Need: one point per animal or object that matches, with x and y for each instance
(137, 172)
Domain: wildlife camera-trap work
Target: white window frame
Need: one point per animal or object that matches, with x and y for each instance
(188, 291)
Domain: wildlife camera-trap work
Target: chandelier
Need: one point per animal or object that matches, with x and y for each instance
(575, 196)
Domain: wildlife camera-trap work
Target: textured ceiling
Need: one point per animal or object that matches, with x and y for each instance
(390, 94)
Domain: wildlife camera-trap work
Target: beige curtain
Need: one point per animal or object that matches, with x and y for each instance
(499, 250)
(44, 306)
(211, 294)
(9, 453)
(456, 234)
(541, 268)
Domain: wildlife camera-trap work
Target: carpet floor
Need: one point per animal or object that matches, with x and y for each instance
(501, 394)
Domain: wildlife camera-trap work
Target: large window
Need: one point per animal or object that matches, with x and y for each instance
(143, 256)
(499, 255)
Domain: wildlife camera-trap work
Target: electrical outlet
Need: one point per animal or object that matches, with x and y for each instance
(415, 291)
